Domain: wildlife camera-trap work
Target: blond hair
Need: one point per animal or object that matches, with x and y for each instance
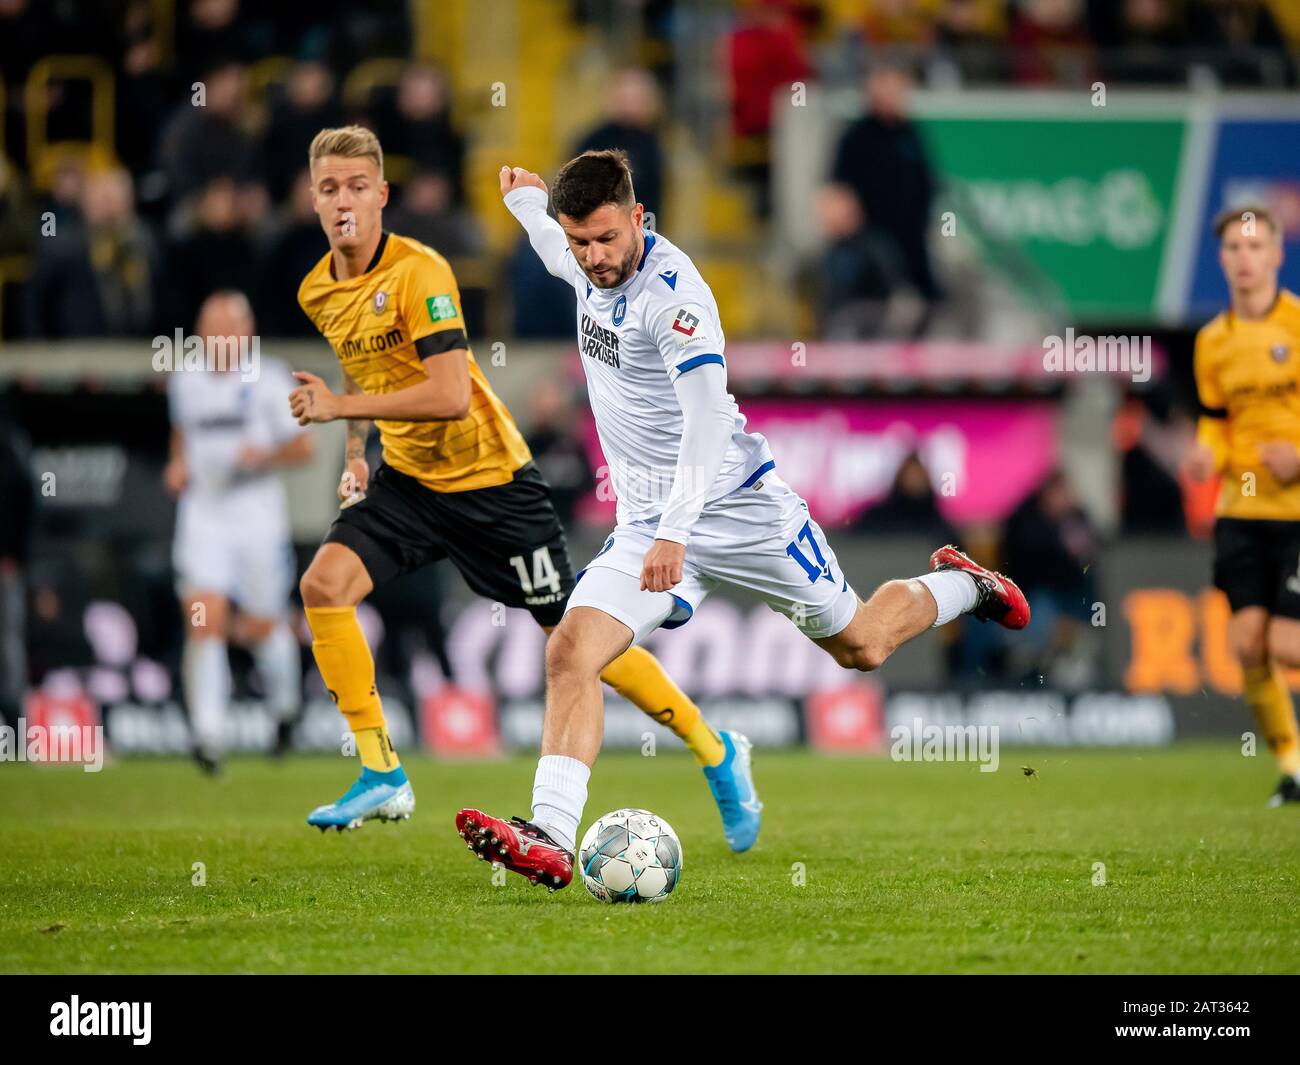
(351, 142)
(1245, 212)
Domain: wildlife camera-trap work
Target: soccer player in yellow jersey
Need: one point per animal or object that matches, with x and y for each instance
(457, 481)
(1247, 365)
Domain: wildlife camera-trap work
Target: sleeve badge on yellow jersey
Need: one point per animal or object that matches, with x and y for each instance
(440, 308)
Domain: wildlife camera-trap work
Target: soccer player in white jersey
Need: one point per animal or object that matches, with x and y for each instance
(233, 545)
(700, 502)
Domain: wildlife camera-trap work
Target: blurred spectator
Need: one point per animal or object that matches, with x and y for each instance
(18, 490)
(308, 106)
(910, 508)
(965, 33)
(1243, 40)
(427, 212)
(66, 189)
(25, 32)
(214, 253)
(94, 276)
(1153, 438)
(1051, 42)
(543, 305)
(557, 448)
(421, 130)
(16, 222)
(56, 633)
(900, 22)
(201, 143)
(1050, 546)
(296, 247)
(144, 94)
(633, 111)
(1148, 39)
(876, 212)
(209, 30)
(763, 54)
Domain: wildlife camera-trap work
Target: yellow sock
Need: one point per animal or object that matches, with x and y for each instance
(637, 676)
(376, 749)
(344, 660)
(1270, 702)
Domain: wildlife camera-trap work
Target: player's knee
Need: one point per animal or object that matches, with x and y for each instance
(323, 586)
(865, 656)
(1252, 648)
(1283, 649)
(565, 657)
(207, 617)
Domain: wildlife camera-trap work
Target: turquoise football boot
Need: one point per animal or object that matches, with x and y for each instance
(732, 784)
(386, 796)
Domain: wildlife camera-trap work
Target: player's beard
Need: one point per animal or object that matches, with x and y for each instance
(624, 271)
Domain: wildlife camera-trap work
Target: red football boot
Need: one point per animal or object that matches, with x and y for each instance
(999, 598)
(518, 845)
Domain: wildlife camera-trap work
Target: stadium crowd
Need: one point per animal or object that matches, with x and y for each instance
(214, 101)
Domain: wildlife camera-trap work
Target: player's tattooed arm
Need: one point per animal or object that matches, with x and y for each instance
(356, 470)
(358, 428)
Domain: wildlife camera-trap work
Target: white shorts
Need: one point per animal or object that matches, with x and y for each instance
(760, 538)
(252, 564)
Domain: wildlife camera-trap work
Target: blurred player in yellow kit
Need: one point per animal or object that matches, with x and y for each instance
(1247, 367)
(457, 481)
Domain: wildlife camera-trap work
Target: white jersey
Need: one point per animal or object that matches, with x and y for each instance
(232, 524)
(636, 341)
(219, 415)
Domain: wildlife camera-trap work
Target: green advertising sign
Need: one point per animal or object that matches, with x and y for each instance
(1089, 198)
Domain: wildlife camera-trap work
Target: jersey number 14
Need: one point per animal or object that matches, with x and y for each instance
(544, 574)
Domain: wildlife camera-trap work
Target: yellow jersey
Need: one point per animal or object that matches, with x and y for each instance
(382, 325)
(1248, 380)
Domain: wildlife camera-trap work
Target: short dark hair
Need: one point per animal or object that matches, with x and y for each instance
(592, 180)
(1258, 211)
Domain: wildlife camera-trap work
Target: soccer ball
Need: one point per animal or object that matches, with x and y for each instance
(630, 856)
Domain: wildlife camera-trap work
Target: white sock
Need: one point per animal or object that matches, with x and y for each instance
(559, 794)
(955, 592)
(280, 665)
(205, 676)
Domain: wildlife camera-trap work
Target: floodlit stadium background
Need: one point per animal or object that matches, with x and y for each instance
(888, 289)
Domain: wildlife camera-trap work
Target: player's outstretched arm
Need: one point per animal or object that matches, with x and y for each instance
(444, 395)
(526, 196)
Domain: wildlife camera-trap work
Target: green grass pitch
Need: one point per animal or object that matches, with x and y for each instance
(906, 868)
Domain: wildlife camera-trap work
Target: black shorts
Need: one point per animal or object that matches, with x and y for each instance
(506, 540)
(1257, 563)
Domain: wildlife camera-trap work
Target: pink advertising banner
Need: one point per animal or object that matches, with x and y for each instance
(842, 455)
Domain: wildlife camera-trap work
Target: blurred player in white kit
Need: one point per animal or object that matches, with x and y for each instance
(229, 437)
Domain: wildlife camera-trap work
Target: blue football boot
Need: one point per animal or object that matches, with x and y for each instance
(387, 796)
(732, 784)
